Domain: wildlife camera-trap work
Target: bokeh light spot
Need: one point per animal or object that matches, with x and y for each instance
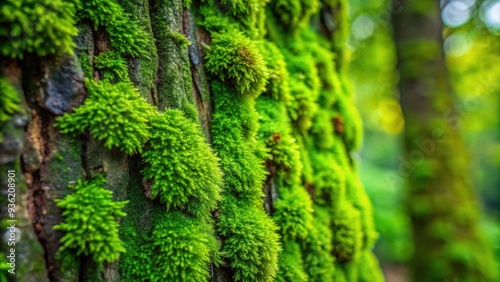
(457, 44)
(456, 13)
(362, 27)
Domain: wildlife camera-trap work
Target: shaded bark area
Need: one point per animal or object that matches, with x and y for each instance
(442, 203)
(201, 92)
(30, 253)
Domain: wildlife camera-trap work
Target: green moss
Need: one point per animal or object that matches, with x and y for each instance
(113, 66)
(181, 165)
(294, 14)
(167, 246)
(99, 11)
(241, 8)
(235, 59)
(41, 27)
(234, 129)
(293, 213)
(340, 33)
(304, 83)
(323, 124)
(277, 87)
(308, 126)
(303, 107)
(291, 264)
(182, 248)
(317, 248)
(347, 233)
(164, 245)
(351, 121)
(214, 20)
(127, 37)
(144, 76)
(113, 113)
(328, 178)
(276, 134)
(360, 200)
(136, 228)
(4, 268)
(368, 269)
(250, 240)
(326, 127)
(90, 221)
(244, 16)
(9, 101)
(179, 38)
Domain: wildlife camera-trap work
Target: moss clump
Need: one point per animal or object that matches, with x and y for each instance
(114, 66)
(233, 129)
(293, 14)
(353, 125)
(90, 221)
(360, 201)
(347, 234)
(317, 248)
(126, 36)
(235, 15)
(183, 169)
(41, 27)
(234, 58)
(329, 180)
(291, 264)
(368, 270)
(113, 113)
(249, 235)
(9, 100)
(170, 245)
(182, 248)
(250, 240)
(278, 87)
(293, 213)
(326, 128)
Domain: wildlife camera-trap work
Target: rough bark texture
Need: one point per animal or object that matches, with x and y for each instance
(259, 83)
(448, 243)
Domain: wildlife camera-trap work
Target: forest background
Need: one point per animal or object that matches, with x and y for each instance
(472, 44)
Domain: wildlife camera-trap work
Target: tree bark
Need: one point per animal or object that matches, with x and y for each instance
(448, 243)
(290, 191)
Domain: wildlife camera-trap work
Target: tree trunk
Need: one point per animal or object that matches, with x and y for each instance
(448, 244)
(120, 93)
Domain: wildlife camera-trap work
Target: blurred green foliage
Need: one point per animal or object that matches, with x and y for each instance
(474, 65)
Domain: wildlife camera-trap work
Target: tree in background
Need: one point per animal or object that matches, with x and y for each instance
(442, 202)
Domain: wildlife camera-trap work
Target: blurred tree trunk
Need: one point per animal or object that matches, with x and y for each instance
(445, 214)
